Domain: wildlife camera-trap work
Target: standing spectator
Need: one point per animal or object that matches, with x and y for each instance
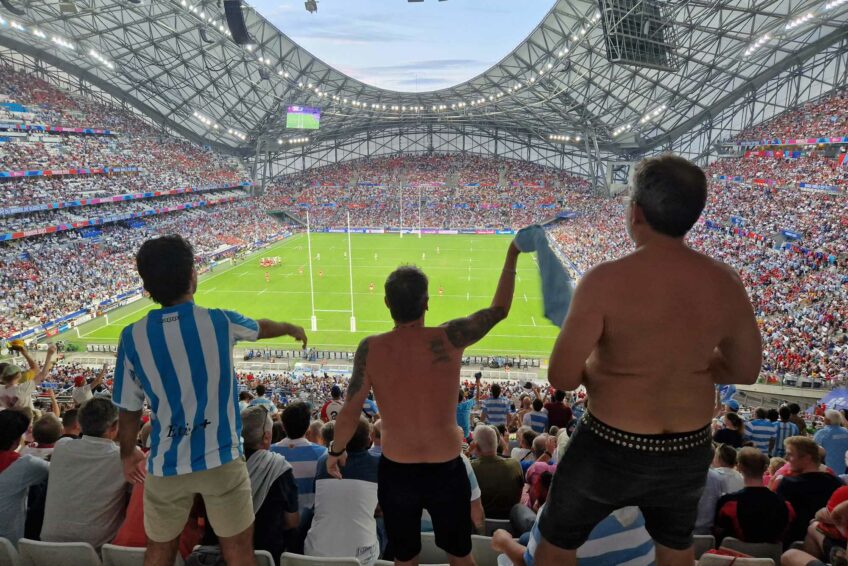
(300, 453)
(421, 467)
(559, 413)
(180, 358)
(333, 406)
(537, 419)
(17, 387)
(272, 487)
(693, 312)
(344, 523)
(807, 489)
(761, 431)
(833, 437)
(500, 479)
(796, 418)
(755, 513)
(496, 408)
(262, 401)
(17, 474)
(244, 400)
(93, 460)
(82, 391)
(785, 429)
(731, 433)
(370, 409)
(70, 424)
(464, 406)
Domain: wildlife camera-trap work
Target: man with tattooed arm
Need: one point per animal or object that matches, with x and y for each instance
(414, 371)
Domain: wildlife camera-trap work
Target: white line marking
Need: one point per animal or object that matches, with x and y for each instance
(525, 297)
(534, 320)
(263, 290)
(467, 296)
(210, 290)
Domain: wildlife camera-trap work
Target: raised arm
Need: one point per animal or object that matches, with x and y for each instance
(48, 364)
(463, 332)
(348, 417)
(100, 376)
(271, 329)
(739, 355)
(581, 331)
(28, 357)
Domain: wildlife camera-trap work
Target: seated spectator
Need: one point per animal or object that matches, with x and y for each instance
(724, 463)
(524, 450)
(261, 399)
(731, 434)
(46, 431)
(755, 513)
(70, 424)
(785, 429)
(272, 486)
(377, 439)
(537, 419)
(328, 430)
(93, 464)
(827, 533)
(559, 413)
(807, 489)
(774, 465)
(761, 431)
(344, 523)
(717, 485)
(313, 433)
(17, 474)
(621, 538)
(300, 453)
(539, 449)
(833, 437)
(500, 479)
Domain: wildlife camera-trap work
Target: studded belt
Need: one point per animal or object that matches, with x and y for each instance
(648, 442)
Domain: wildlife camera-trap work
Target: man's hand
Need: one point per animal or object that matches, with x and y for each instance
(500, 540)
(134, 470)
(51, 349)
(298, 333)
(334, 465)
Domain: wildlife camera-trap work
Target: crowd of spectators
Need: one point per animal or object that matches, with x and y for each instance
(825, 117)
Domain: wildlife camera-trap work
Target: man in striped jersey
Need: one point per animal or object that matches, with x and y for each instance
(537, 419)
(496, 408)
(761, 431)
(300, 453)
(180, 359)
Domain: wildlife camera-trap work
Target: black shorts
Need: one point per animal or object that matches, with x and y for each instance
(405, 490)
(605, 469)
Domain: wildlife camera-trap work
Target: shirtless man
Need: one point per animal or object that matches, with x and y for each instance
(650, 336)
(421, 466)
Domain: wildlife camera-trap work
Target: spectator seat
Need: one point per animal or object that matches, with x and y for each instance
(755, 549)
(291, 559)
(37, 553)
(430, 553)
(263, 558)
(127, 556)
(494, 524)
(702, 544)
(482, 551)
(716, 560)
(8, 554)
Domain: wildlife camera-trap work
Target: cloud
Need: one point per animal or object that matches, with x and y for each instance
(433, 64)
(424, 81)
(341, 30)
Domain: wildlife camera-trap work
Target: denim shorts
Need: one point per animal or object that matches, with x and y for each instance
(604, 469)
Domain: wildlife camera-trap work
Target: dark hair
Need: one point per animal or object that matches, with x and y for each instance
(328, 431)
(296, 419)
(752, 463)
(244, 396)
(13, 425)
(69, 419)
(260, 390)
(537, 404)
(96, 416)
(165, 265)
(559, 395)
(671, 192)
(760, 413)
(772, 415)
(277, 432)
(727, 454)
(784, 413)
(406, 293)
(735, 420)
(496, 390)
(361, 438)
(794, 408)
(461, 396)
(47, 429)
(528, 436)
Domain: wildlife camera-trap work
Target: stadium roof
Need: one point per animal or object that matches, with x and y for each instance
(175, 61)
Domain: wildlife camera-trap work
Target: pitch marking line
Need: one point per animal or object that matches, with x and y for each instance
(263, 290)
(532, 318)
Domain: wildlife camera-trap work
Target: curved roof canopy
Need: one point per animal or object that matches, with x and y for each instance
(175, 60)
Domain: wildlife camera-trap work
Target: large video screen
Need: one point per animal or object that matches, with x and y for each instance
(303, 118)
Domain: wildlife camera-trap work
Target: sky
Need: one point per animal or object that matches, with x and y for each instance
(408, 46)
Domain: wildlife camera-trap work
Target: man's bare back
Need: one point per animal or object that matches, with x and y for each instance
(414, 373)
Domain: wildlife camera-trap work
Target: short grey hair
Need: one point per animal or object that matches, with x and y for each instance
(96, 416)
(486, 438)
(834, 417)
(255, 422)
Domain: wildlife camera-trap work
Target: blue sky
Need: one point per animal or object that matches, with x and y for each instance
(413, 47)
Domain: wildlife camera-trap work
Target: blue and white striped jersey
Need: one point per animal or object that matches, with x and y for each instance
(303, 456)
(497, 410)
(537, 420)
(180, 359)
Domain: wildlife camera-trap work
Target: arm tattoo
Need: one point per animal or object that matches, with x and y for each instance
(463, 332)
(357, 377)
